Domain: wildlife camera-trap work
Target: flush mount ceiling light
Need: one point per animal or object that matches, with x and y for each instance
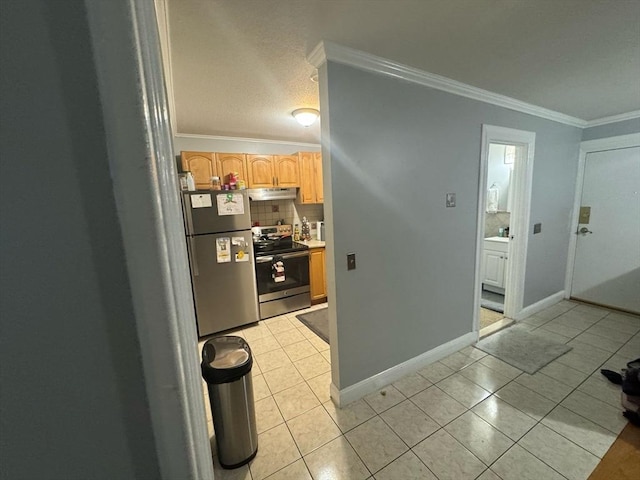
(306, 116)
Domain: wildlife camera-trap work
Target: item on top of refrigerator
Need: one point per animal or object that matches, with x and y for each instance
(241, 185)
(191, 183)
(215, 183)
(233, 180)
(182, 177)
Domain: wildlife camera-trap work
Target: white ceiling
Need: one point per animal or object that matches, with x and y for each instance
(239, 66)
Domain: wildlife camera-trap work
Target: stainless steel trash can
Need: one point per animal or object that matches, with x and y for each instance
(226, 367)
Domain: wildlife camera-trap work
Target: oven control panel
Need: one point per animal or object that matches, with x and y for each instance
(272, 231)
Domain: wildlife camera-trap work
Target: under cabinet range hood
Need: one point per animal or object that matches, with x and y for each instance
(257, 194)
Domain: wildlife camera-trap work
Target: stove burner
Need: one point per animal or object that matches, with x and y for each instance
(274, 239)
(263, 245)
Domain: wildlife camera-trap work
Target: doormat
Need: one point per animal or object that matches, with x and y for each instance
(522, 349)
(317, 321)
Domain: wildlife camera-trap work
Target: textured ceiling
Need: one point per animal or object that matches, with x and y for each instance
(239, 66)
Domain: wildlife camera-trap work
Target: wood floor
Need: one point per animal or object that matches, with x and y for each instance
(622, 460)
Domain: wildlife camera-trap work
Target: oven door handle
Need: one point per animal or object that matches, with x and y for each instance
(284, 256)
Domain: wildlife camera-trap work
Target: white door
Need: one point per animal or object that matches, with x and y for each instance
(607, 259)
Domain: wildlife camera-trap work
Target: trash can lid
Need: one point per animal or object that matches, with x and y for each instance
(225, 359)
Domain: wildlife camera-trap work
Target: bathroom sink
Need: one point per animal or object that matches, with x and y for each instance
(498, 239)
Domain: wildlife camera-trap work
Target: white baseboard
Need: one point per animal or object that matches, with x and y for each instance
(355, 392)
(541, 305)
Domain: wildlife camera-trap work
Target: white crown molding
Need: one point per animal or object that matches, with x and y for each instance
(613, 119)
(348, 56)
(249, 140)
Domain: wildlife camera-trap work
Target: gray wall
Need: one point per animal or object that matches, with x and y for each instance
(73, 399)
(612, 129)
(397, 148)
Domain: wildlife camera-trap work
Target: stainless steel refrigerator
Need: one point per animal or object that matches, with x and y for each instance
(220, 245)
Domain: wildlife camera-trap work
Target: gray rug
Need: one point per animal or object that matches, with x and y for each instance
(317, 321)
(492, 301)
(495, 306)
(522, 349)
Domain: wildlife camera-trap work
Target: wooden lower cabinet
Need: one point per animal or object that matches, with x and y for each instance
(318, 275)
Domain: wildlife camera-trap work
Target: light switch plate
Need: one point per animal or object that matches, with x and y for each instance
(451, 200)
(351, 261)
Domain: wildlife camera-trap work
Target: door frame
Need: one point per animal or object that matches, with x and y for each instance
(135, 110)
(522, 180)
(586, 147)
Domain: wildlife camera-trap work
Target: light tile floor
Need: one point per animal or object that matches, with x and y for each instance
(467, 416)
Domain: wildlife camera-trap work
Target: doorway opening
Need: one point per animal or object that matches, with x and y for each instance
(503, 217)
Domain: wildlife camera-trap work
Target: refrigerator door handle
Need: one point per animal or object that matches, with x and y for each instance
(187, 213)
(192, 257)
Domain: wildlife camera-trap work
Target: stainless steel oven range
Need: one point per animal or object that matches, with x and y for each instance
(282, 271)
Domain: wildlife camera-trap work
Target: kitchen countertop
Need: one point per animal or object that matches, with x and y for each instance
(313, 243)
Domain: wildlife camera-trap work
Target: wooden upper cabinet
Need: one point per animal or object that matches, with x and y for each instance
(287, 171)
(317, 164)
(307, 180)
(260, 171)
(202, 166)
(231, 162)
(311, 190)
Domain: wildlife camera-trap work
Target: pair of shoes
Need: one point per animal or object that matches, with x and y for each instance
(613, 377)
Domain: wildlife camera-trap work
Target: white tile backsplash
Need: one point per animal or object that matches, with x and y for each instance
(493, 222)
(288, 211)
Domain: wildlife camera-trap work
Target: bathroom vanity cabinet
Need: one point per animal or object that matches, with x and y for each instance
(495, 255)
